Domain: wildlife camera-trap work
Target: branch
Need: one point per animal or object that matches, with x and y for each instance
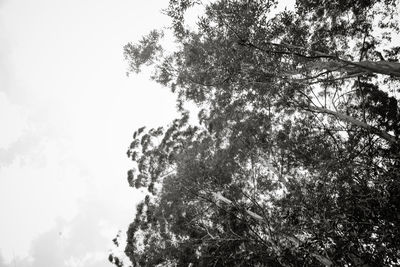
(388, 137)
(381, 67)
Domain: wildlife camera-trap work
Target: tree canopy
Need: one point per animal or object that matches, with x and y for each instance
(295, 160)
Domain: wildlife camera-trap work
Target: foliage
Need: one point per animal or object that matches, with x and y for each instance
(295, 160)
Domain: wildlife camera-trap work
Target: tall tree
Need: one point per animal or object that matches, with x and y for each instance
(296, 157)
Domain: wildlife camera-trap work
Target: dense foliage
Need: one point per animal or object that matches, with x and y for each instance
(296, 157)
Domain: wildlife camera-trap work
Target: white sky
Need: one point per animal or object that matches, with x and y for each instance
(67, 114)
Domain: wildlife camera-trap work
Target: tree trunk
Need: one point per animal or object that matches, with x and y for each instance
(381, 67)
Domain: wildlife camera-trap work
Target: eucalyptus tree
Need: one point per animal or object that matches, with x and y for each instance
(295, 159)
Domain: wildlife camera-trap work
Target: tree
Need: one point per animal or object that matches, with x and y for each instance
(295, 159)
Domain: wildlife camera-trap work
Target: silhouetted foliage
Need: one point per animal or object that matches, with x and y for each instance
(296, 157)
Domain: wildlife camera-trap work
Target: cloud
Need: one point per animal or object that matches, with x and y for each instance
(80, 240)
(83, 241)
(15, 262)
(35, 188)
(2, 263)
(13, 121)
(26, 143)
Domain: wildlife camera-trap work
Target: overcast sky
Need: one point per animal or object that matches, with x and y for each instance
(67, 114)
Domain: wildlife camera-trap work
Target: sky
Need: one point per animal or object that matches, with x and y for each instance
(67, 115)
